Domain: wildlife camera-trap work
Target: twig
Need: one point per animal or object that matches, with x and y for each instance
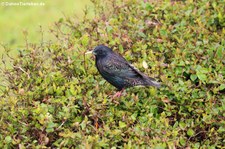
(196, 135)
(61, 125)
(85, 66)
(22, 71)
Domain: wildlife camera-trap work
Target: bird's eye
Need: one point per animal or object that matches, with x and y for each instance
(100, 52)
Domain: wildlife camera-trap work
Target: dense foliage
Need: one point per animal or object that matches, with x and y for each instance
(56, 98)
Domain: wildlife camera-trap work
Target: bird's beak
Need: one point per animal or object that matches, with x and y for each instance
(89, 52)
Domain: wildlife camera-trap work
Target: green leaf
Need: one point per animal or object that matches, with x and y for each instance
(182, 125)
(201, 76)
(122, 124)
(134, 116)
(149, 7)
(163, 32)
(60, 20)
(182, 141)
(72, 90)
(109, 28)
(220, 51)
(85, 40)
(204, 70)
(182, 63)
(160, 146)
(142, 34)
(8, 139)
(190, 132)
(121, 48)
(50, 127)
(193, 77)
(222, 87)
(221, 129)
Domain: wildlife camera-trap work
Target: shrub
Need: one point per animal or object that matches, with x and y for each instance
(56, 98)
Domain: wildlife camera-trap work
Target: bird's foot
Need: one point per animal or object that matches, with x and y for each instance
(117, 95)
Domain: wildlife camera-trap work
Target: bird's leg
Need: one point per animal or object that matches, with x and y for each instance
(118, 94)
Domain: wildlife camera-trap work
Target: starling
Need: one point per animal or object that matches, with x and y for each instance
(117, 71)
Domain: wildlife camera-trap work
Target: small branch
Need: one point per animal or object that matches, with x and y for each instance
(22, 71)
(85, 66)
(196, 134)
(61, 125)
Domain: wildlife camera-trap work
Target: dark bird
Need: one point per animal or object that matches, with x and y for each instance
(117, 71)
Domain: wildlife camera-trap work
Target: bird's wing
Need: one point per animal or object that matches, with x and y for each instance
(118, 66)
(119, 69)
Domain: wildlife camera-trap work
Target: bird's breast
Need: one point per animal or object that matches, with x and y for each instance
(108, 74)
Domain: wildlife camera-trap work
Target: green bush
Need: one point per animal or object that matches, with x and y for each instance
(56, 98)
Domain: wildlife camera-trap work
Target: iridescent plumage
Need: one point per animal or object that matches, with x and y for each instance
(117, 71)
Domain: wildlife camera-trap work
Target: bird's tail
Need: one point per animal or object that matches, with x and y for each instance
(151, 82)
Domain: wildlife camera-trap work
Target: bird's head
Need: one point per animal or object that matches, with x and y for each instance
(100, 51)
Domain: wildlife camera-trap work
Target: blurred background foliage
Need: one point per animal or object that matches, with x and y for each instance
(53, 96)
(15, 21)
